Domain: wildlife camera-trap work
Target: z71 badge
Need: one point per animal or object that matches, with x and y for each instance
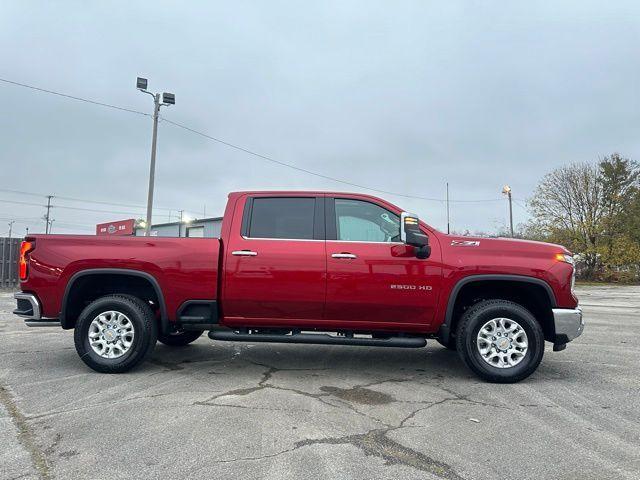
(465, 243)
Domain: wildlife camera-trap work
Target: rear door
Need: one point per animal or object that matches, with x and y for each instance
(275, 266)
(374, 280)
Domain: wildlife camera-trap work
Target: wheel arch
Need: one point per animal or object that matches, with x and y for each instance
(541, 302)
(86, 278)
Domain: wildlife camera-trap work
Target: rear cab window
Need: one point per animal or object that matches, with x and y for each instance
(293, 218)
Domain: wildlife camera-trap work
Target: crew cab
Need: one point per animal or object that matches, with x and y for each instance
(305, 267)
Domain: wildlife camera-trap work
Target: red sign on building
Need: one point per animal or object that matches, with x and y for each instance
(121, 227)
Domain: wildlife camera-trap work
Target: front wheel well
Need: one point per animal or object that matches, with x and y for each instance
(532, 296)
(87, 288)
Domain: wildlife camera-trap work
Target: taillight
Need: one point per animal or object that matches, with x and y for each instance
(23, 264)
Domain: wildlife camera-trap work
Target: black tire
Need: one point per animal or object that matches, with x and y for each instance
(471, 323)
(179, 338)
(145, 333)
(450, 345)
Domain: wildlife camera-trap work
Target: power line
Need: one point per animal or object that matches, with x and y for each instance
(22, 193)
(74, 225)
(98, 202)
(517, 202)
(22, 219)
(73, 97)
(22, 203)
(39, 219)
(65, 207)
(246, 150)
(327, 177)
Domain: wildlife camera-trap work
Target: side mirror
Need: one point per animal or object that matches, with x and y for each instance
(411, 234)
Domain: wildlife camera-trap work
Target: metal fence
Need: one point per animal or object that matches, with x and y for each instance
(9, 248)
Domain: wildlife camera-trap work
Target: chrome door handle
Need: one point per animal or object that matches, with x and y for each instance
(244, 253)
(343, 255)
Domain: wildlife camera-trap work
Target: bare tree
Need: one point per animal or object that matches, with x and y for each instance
(568, 206)
(591, 208)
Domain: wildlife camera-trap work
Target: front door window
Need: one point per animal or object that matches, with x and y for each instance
(359, 221)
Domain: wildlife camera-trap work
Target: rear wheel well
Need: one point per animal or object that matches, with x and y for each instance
(532, 296)
(88, 288)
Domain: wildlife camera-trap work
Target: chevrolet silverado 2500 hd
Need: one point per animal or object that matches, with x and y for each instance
(305, 267)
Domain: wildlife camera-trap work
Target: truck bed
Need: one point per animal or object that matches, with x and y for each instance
(183, 268)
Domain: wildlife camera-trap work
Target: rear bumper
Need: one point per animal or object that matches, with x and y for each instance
(29, 309)
(569, 324)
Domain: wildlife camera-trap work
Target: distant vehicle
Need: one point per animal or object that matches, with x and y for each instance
(306, 267)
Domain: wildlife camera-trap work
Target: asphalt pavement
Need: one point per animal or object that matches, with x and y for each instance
(230, 410)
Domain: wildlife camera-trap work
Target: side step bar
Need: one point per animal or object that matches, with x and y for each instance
(42, 323)
(316, 338)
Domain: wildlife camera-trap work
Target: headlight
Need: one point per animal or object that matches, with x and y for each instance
(564, 257)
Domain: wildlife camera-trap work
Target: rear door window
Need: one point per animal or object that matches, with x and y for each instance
(290, 217)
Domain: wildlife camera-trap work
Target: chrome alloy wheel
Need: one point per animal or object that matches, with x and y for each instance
(502, 343)
(111, 334)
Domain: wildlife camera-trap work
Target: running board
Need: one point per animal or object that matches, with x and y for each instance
(42, 323)
(317, 339)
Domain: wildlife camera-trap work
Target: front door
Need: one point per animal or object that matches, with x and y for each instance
(372, 278)
(275, 265)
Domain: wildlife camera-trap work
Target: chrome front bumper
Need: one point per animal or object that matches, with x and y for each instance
(29, 309)
(569, 324)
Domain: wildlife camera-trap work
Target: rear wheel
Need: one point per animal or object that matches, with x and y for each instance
(179, 337)
(500, 341)
(114, 333)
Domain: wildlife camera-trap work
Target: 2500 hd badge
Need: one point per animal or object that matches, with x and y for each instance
(411, 287)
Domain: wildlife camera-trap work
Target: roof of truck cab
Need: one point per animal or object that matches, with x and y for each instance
(300, 192)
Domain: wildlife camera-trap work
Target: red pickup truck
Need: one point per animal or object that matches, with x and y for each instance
(305, 267)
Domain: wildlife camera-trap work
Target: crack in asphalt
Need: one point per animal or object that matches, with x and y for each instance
(26, 437)
(465, 398)
(24, 352)
(98, 404)
(374, 442)
(263, 384)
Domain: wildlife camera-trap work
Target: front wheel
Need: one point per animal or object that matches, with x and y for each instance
(114, 333)
(500, 341)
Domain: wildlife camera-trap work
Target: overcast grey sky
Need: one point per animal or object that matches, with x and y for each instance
(399, 96)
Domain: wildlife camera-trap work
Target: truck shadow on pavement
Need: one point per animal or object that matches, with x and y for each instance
(201, 357)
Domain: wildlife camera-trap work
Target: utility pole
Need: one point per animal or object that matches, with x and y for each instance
(167, 99)
(506, 190)
(11, 227)
(180, 224)
(448, 230)
(46, 218)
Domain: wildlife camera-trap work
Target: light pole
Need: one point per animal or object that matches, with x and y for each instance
(167, 99)
(506, 190)
(11, 227)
